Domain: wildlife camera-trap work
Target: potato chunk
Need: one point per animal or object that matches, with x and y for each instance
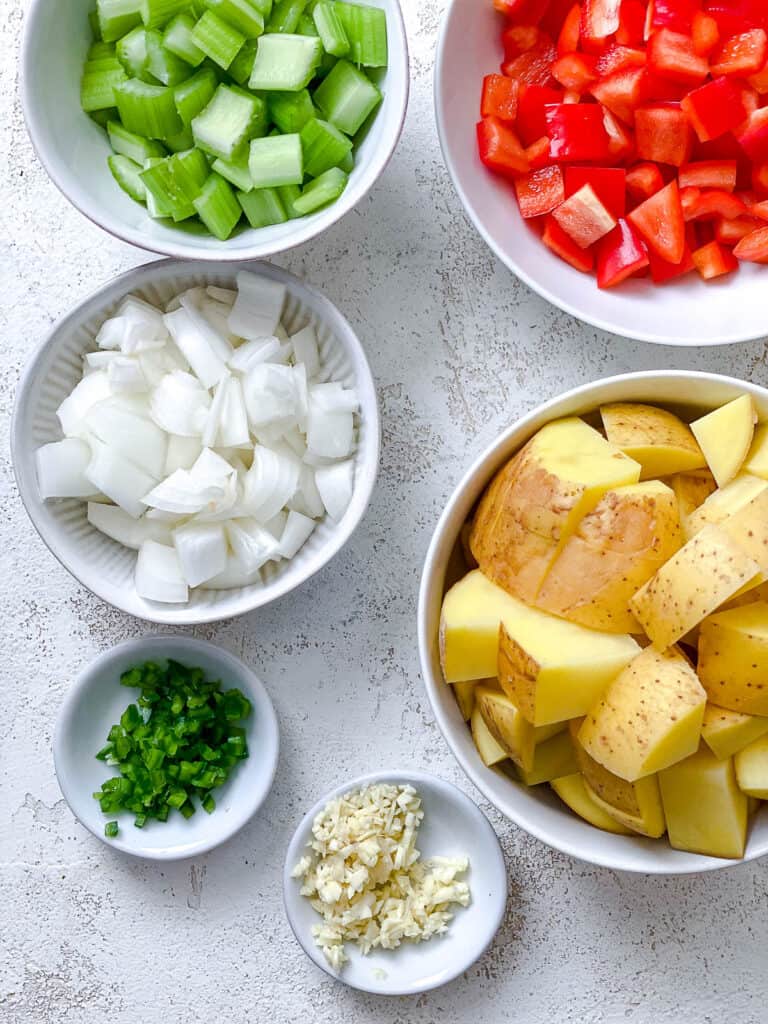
(649, 717)
(536, 501)
(509, 728)
(757, 459)
(464, 693)
(654, 437)
(727, 732)
(752, 769)
(574, 794)
(616, 548)
(489, 749)
(725, 437)
(691, 491)
(733, 658)
(705, 809)
(469, 627)
(551, 760)
(703, 574)
(725, 501)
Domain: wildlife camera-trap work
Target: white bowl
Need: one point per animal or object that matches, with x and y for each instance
(74, 150)
(106, 567)
(453, 827)
(95, 702)
(687, 312)
(538, 810)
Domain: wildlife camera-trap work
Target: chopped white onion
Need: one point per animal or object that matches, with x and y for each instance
(271, 395)
(126, 530)
(179, 404)
(253, 545)
(110, 334)
(258, 306)
(329, 434)
(334, 397)
(158, 574)
(218, 341)
(61, 468)
(225, 295)
(233, 426)
(126, 375)
(195, 346)
(213, 419)
(217, 314)
(334, 484)
(276, 524)
(121, 480)
(307, 498)
(202, 551)
(128, 433)
(306, 351)
(72, 411)
(182, 453)
(100, 360)
(234, 575)
(297, 531)
(270, 483)
(253, 352)
(209, 486)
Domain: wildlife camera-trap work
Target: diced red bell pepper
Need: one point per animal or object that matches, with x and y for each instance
(659, 220)
(730, 232)
(563, 245)
(568, 40)
(575, 71)
(631, 30)
(519, 39)
(671, 55)
(735, 16)
(662, 271)
(714, 260)
(620, 255)
(656, 89)
(759, 81)
(754, 247)
(540, 192)
(584, 217)
(499, 97)
(621, 93)
(616, 58)
(705, 33)
(759, 210)
(538, 154)
(699, 205)
(753, 137)
(609, 183)
(621, 144)
(576, 132)
(500, 149)
(531, 101)
(741, 55)
(675, 14)
(533, 65)
(511, 8)
(715, 108)
(599, 18)
(719, 174)
(664, 135)
(644, 181)
(556, 14)
(760, 177)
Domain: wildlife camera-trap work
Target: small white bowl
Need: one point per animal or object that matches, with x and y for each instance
(453, 827)
(102, 565)
(74, 150)
(537, 809)
(95, 702)
(688, 312)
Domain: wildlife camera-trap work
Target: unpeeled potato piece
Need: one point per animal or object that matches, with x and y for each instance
(733, 658)
(691, 491)
(654, 437)
(489, 749)
(725, 501)
(727, 732)
(510, 728)
(725, 436)
(574, 793)
(751, 765)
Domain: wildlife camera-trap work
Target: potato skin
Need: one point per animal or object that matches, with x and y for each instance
(733, 659)
(654, 437)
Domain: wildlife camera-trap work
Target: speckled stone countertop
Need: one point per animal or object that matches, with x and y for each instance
(459, 348)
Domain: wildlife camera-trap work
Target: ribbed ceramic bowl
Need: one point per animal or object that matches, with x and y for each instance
(74, 150)
(538, 810)
(106, 567)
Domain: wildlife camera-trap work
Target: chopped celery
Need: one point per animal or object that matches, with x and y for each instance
(288, 196)
(330, 28)
(321, 190)
(165, 66)
(217, 207)
(93, 21)
(190, 171)
(178, 39)
(226, 123)
(127, 174)
(157, 178)
(323, 145)
(135, 147)
(217, 39)
(176, 181)
(306, 26)
(116, 17)
(290, 111)
(285, 15)
(178, 143)
(100, 78)
(285, 62)
(366, 29)
(262, 207)
(157, 206)
(103, 117)
(132, 54)
(347, 97)
(101, 51)
(235, 171)
(264, 7)
(159, 12)
(276, 160)
(240, 14)
(148, 110)
(193, 95)
(241, 67)
(347, 163)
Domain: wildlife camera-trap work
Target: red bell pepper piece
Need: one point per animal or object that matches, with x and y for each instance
(621, 93)
(754, 247)
(499, 97)
(621, 144)
(616, 58)
(734, 16)
(529, 11)
(519, 39)
(664, 135)
(719, 174)
(659, 220)
(599, 18)
(584, 217)
(663, 271)
(715, 108)
(609, 184)
(500, 149)
(730, 232)
(759, 210)
(644, 181)
(576, 132)
(760, 177)
(531, 101)
(631, 30)
(705, 33)
(620, 255)
(511, 8)
(557, 12)
(671, 55)
(563, 245)
(575, 71)
(568, 40)
(656, 89)
(540, 192)
(675, 14)
(698, 205)
(538, 154)
(741, 55)
(759, 82)
(753, 137)
(533, 65)
(713, 260)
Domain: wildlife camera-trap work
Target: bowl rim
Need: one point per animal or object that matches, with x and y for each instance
(255, 796)
(100, 216)
(541, 414)
(626, 331)
(20, 447)
(415, 778)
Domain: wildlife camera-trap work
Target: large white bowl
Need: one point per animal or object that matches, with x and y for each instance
(685, 312)
(102, 565)
(538, 810)
(74, 150)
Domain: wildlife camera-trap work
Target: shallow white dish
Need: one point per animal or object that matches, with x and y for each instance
(538, 810)
(74, 150)
(106, 567)
(453, 827)
(689, 312)
(95, 702)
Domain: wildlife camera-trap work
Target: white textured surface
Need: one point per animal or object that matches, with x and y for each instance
(458, 348)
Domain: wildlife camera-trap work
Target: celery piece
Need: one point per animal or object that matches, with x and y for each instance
(218, 208)
(330, 28)
(116, 17)
(347, 163)
(132, 54)
(366, 29)
(346, 97)
(127, 174)
(306, 26)
(148, 110)
(322, 190)
(285, 15)
(240, 14)
(288, 196)
(328, 63)
(323, 145)
(235, 171)
(156, 207)
(217, 39)
(264, 7)
(101, 51)
(93, 21)
(103, 117)
(285, 62)
(262, 207)
(178, 143)
(190, 171)
(290, 111)
(177, 38)
(241, 67)
(100, 79)
(176, 181)
(163, 65)
(225, 124)
(158, 12)
(135, 147)
(195, 94)
(276, 160)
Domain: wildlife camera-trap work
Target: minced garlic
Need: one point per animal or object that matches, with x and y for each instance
(366, 877)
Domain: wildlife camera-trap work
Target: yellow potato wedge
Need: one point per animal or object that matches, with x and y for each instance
(733, 658)
(469, 627)
(725, 436)
(465, 698)
(727, 732)
(509, 728)
(691, 491)
(654, 437)
(552, 759)
(725, 501)
(575, 795)
(757, 459)
(752, 769)
(748, 527)
(649, 717)
(488, 748)
(706, 811)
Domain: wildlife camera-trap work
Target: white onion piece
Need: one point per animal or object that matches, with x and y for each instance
(126, 376)
(329, 434)
(253, 352)
(307, 498)
(171, 519)
(271, 396)
(295, 441)
(182, 453)
(258, 306)
(225, 295)
(137, 311)
(158, 574)
(233, 576)
(306, 350)
(233, 425)
(72, 411)
(252, 545)
(213, 419)
(334, 484)
(209, 486)
(217, 341)
(297, 532)
(302, 396)
(217, 314)
(155, 364)
(194, 346)
(99, 360)
(61, 468)
(117, 424)
(270, 483)
(334, 397)
(202, 551)
(276, 524)
(179, 404)
(121, 480)
(110, 334)
(117, 524)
